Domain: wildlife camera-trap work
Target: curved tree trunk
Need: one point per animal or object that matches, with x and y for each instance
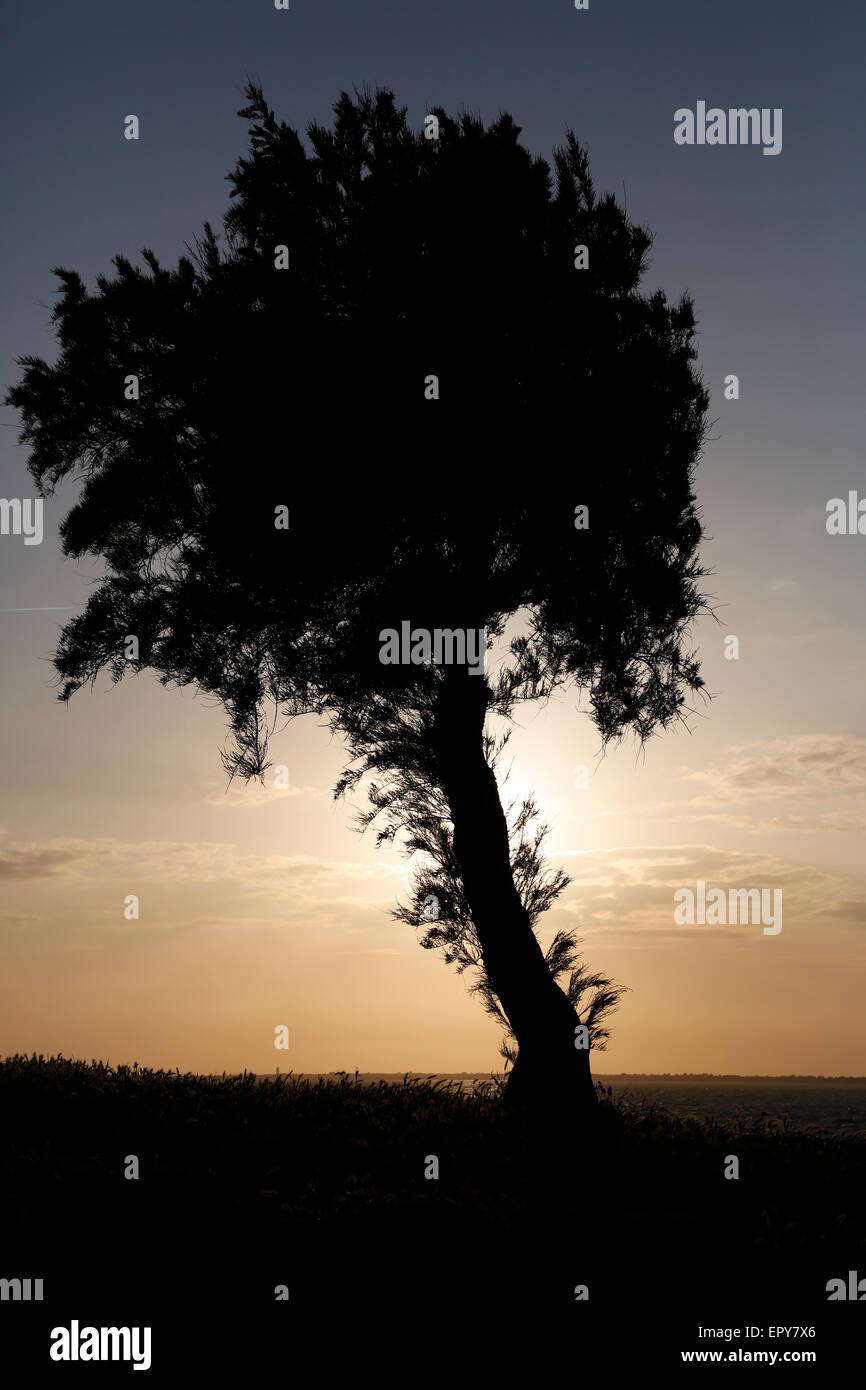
(550, 1070)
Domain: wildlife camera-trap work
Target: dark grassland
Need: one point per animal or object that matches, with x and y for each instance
(247, 1184)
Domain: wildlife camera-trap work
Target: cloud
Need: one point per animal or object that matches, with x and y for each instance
(18, 923)
(814, 822)
(204, 862)
(810, 765)
(631, 888)
(626, 892)
(247, 794)
(819, 779)
(194, 886)
(23, 861)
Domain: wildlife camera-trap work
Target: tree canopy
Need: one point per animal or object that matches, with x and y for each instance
(558, 387)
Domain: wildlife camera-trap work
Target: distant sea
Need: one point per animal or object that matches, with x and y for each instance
(833, 1102)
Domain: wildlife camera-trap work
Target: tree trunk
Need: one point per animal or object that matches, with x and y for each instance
(550, 1071)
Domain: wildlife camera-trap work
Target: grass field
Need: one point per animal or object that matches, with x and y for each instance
(246, 1185)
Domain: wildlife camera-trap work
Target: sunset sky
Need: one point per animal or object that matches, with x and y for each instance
(261, 908)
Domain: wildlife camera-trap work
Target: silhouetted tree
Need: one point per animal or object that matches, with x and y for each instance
(307, 387)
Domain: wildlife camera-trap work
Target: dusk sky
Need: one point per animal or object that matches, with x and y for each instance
(263, 907)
